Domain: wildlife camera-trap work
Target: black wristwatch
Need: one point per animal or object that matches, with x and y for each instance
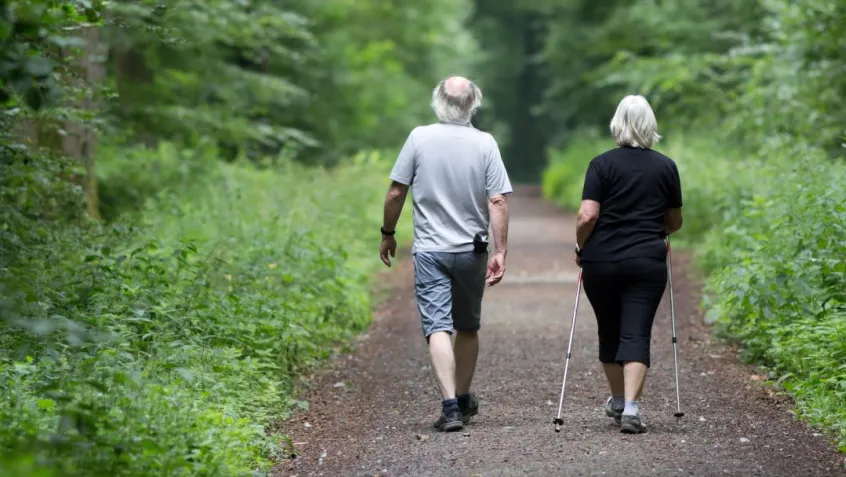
(386, 233)
(578, 251)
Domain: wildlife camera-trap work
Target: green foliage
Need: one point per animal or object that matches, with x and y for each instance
(315, 80)
(685, 65)
(29, 32)
(779, 285)
(564, 178)
(129, 177)
(162, 343)
(795, 87)
(749, 67)
(378, 65)
(188, 69)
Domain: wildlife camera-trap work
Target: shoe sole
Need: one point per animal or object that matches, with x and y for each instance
(452, 426)
(632, 429)
(465, 418)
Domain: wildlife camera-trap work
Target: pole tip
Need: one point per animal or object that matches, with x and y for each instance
(679, 414)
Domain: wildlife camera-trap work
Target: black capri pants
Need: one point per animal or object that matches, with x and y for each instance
(625, 296)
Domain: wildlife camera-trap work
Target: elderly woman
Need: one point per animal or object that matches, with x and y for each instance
(631, 201)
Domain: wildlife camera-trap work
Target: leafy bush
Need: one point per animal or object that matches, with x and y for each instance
(769, 231)
(131, 176)
(162, 343)
(780, 281)
(564, 177)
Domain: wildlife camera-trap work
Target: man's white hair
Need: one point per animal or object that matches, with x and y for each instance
(634, 123)
(456, 99)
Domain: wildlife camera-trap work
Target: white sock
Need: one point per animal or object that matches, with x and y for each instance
(632, 408)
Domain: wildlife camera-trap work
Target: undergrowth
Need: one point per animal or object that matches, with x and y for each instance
(164, 343)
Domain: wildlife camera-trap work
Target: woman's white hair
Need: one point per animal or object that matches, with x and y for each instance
(634, 123)
(456, 99)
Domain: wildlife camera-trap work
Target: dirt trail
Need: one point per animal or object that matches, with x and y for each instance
(379, 421)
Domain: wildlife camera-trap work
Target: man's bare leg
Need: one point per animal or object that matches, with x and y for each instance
(443, 361)
(466, 353)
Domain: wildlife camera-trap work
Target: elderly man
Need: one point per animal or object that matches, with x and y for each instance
(460, 189)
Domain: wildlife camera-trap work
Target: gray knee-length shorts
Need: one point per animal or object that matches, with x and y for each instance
(449, 289)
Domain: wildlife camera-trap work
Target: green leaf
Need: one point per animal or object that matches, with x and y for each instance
(47, 405)
(39, 67)
(34, 98)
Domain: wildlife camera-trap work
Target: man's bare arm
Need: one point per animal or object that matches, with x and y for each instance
(498, 211)
(394, 200)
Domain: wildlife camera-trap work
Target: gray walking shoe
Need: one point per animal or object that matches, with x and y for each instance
(611, 411)
(631, 425)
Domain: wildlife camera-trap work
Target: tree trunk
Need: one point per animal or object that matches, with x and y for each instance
(133, 76)
(81, 140)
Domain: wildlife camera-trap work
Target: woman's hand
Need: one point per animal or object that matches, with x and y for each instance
(578, 259)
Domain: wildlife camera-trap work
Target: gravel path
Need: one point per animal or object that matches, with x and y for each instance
(371, 412)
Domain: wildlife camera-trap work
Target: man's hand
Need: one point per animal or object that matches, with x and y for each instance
(578, 259)
(388, 245)
(496, 269)
(393, 207)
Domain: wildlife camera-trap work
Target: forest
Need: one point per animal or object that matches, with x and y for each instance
(190, 194)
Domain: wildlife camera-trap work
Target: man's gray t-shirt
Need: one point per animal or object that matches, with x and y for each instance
(452, 170)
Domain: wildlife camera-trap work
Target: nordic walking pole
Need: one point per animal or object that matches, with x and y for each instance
(558, 421)
(679, 412)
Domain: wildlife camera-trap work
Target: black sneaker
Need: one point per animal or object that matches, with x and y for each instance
(631, 425)
(469, 407)
(449, 422)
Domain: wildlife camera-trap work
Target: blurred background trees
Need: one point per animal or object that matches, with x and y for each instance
(754, 66)
(321, 80)
(315, 81)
